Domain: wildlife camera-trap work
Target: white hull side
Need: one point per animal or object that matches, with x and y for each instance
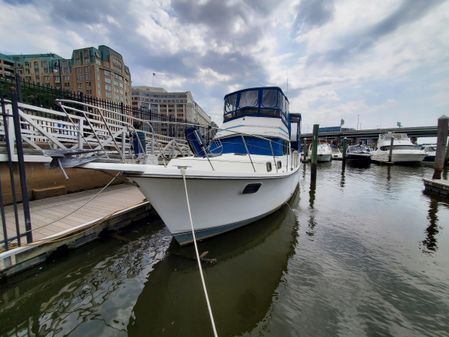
(322, 158)
(217, 203)
(398, 156)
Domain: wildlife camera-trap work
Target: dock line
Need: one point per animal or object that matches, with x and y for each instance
(183, 172)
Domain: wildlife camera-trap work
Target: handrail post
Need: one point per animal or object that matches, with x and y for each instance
(274, 157)
(80, 133)
(247, 151)
(123, 143)
(21, 164)
(10, 140)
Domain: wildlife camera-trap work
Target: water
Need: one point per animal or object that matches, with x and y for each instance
(363, 252)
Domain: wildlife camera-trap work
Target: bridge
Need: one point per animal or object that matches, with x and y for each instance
(419, 131)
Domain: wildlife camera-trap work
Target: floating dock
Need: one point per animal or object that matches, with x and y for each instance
(71, 220)
(437, 186)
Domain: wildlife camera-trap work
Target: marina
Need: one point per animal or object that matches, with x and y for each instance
(224, 168)
(325, 264)
(251, 165)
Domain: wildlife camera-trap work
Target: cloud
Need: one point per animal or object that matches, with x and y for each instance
(358, 41)
(340, 58)
(313, 13)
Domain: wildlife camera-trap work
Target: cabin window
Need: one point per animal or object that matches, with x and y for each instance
(269, 167)
(249, 98)
(230, 103)
(269, 98)
(279, 164)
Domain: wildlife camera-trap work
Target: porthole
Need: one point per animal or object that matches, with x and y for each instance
(279, 164)
(269, 168)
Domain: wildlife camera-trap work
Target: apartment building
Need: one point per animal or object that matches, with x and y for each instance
(179, 106)
(99, 72)
(6, 66)
(44, 69)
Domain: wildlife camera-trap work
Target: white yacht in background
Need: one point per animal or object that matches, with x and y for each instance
(247, 172)
(404, 151)
(324, 152)
(336, 153)
(430, 151)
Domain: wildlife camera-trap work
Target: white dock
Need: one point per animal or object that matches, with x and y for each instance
(70, 220)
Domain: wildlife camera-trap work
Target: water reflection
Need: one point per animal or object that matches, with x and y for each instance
(342, 176)
(358, 164)
(312, 191)
(90, 293)
(388, 173)
(430, 242)
(311, 223)
(241, 285)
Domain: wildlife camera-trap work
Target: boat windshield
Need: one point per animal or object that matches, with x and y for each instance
(358, 148)
(400, 147)
(262, 102)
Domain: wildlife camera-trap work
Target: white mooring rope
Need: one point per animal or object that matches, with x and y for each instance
(183, 172)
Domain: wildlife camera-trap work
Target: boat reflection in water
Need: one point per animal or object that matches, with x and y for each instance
(249, 266)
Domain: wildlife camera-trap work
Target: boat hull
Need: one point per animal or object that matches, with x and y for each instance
(361, 157)
(398, 157)
(323, 158)
(218, 204)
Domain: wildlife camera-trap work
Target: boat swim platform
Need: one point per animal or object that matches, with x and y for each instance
(437, 186)
(70, 220)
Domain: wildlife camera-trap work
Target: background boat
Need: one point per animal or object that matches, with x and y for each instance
(403, 151)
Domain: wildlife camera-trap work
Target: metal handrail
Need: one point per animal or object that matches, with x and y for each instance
(247, 151)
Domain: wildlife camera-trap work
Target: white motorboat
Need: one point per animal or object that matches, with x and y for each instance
(336, 153)
(403, 151)
(430, 151)
(247, 172)
(358, 153)
(324, 152)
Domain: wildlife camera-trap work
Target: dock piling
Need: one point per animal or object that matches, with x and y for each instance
(390, 154)
(440, 155)
(345, 148)
(314, 157)
(446, 164)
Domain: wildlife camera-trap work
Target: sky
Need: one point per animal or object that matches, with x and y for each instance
(370, 63)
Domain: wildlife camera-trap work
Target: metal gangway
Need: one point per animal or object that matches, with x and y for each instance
(80, 128)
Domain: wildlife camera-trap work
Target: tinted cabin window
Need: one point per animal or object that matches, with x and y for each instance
(249, 99)
(269, 99)
(230, 103)
(269, 168)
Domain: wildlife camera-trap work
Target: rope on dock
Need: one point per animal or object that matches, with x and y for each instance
(78, 208)
(183, 172)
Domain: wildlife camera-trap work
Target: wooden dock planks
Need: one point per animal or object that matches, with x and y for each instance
(52, 216)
